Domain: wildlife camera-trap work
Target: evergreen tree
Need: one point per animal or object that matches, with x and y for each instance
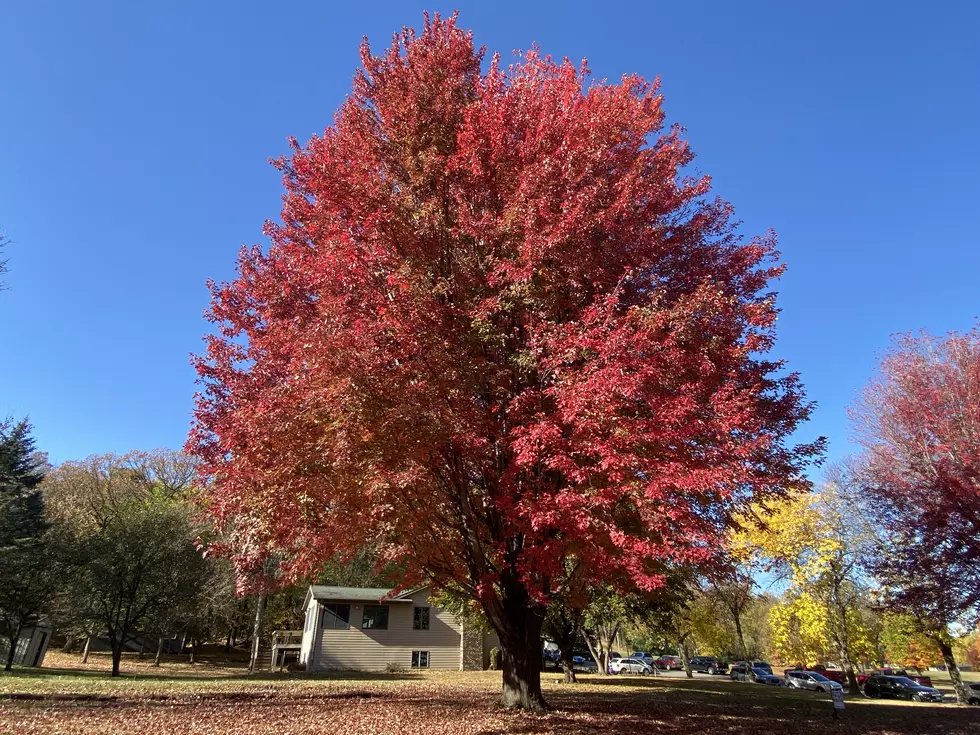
(25, 573)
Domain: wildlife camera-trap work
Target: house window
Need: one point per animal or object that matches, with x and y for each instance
(336, 616)
(420, 659)
(375, 617)
(420, 618)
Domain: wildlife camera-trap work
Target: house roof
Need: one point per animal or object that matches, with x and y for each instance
(355, 594)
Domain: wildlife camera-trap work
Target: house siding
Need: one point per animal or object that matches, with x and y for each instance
(32, 645)
(374, 650)
(310, 623)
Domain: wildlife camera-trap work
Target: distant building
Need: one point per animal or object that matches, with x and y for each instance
(367, 629)
(31, 646)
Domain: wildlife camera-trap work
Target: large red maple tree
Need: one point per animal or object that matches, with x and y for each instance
(499, 330)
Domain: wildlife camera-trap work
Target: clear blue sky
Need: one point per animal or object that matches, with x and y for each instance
(133, 163)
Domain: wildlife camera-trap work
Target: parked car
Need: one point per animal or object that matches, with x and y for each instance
(745, 671)
(669, 663)
(833, 674)
(630, 666)
(900, 687)
(739, 671)
(974, 692)
(812, 680)
(644, 656)
(708, 665)
(921, 679)
(588, 665)
(761, 676)
(748, 665)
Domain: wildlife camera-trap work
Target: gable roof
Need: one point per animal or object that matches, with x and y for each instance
(357, 594)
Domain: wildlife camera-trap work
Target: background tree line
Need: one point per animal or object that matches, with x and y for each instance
(113, 547)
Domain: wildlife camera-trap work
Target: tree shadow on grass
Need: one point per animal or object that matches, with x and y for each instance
(664, 711)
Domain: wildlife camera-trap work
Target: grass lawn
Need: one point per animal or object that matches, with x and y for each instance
(213, 699)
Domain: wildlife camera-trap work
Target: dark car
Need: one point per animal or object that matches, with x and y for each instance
(900, 687)
(761, 676)
(974, 694)
(740, 671)
(749, 671)
(708, 665)
(586, 664)
(922, 679)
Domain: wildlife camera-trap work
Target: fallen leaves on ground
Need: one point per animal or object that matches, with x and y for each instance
(437, 702)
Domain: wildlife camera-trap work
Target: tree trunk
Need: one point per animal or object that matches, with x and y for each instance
(88, 642)
(743, 650)
(844, 658)
(142, 646)
(602, 646)
(69, 644)
(520, 655)
(852, 683)
(954, 673)
(156, 659)
(257, 634)
(228, 641)
(117, 646)
(521, 677)
(12, 639)
(686, 660)
(567, 666)
(565, 636)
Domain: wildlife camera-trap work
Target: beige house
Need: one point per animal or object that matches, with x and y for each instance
(32, 644)
(369, 629)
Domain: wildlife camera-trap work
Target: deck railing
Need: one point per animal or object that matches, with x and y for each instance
(283, 638)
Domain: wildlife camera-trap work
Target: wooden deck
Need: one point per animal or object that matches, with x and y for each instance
(286, 644)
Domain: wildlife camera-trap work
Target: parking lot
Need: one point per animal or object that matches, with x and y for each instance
(943, 685)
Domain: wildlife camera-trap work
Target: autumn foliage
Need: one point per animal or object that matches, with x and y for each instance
(499, 332)
(919, 423)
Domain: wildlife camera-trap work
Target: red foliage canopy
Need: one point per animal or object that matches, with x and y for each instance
(498, 329)
(919, 422)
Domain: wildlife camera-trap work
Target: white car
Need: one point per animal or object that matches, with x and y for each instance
(810, 680)
(630, 666)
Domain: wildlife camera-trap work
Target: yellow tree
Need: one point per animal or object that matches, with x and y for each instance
(815, 540)
(709, 633)
(799, 630)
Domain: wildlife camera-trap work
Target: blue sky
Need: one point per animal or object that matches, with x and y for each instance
(134, 143)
